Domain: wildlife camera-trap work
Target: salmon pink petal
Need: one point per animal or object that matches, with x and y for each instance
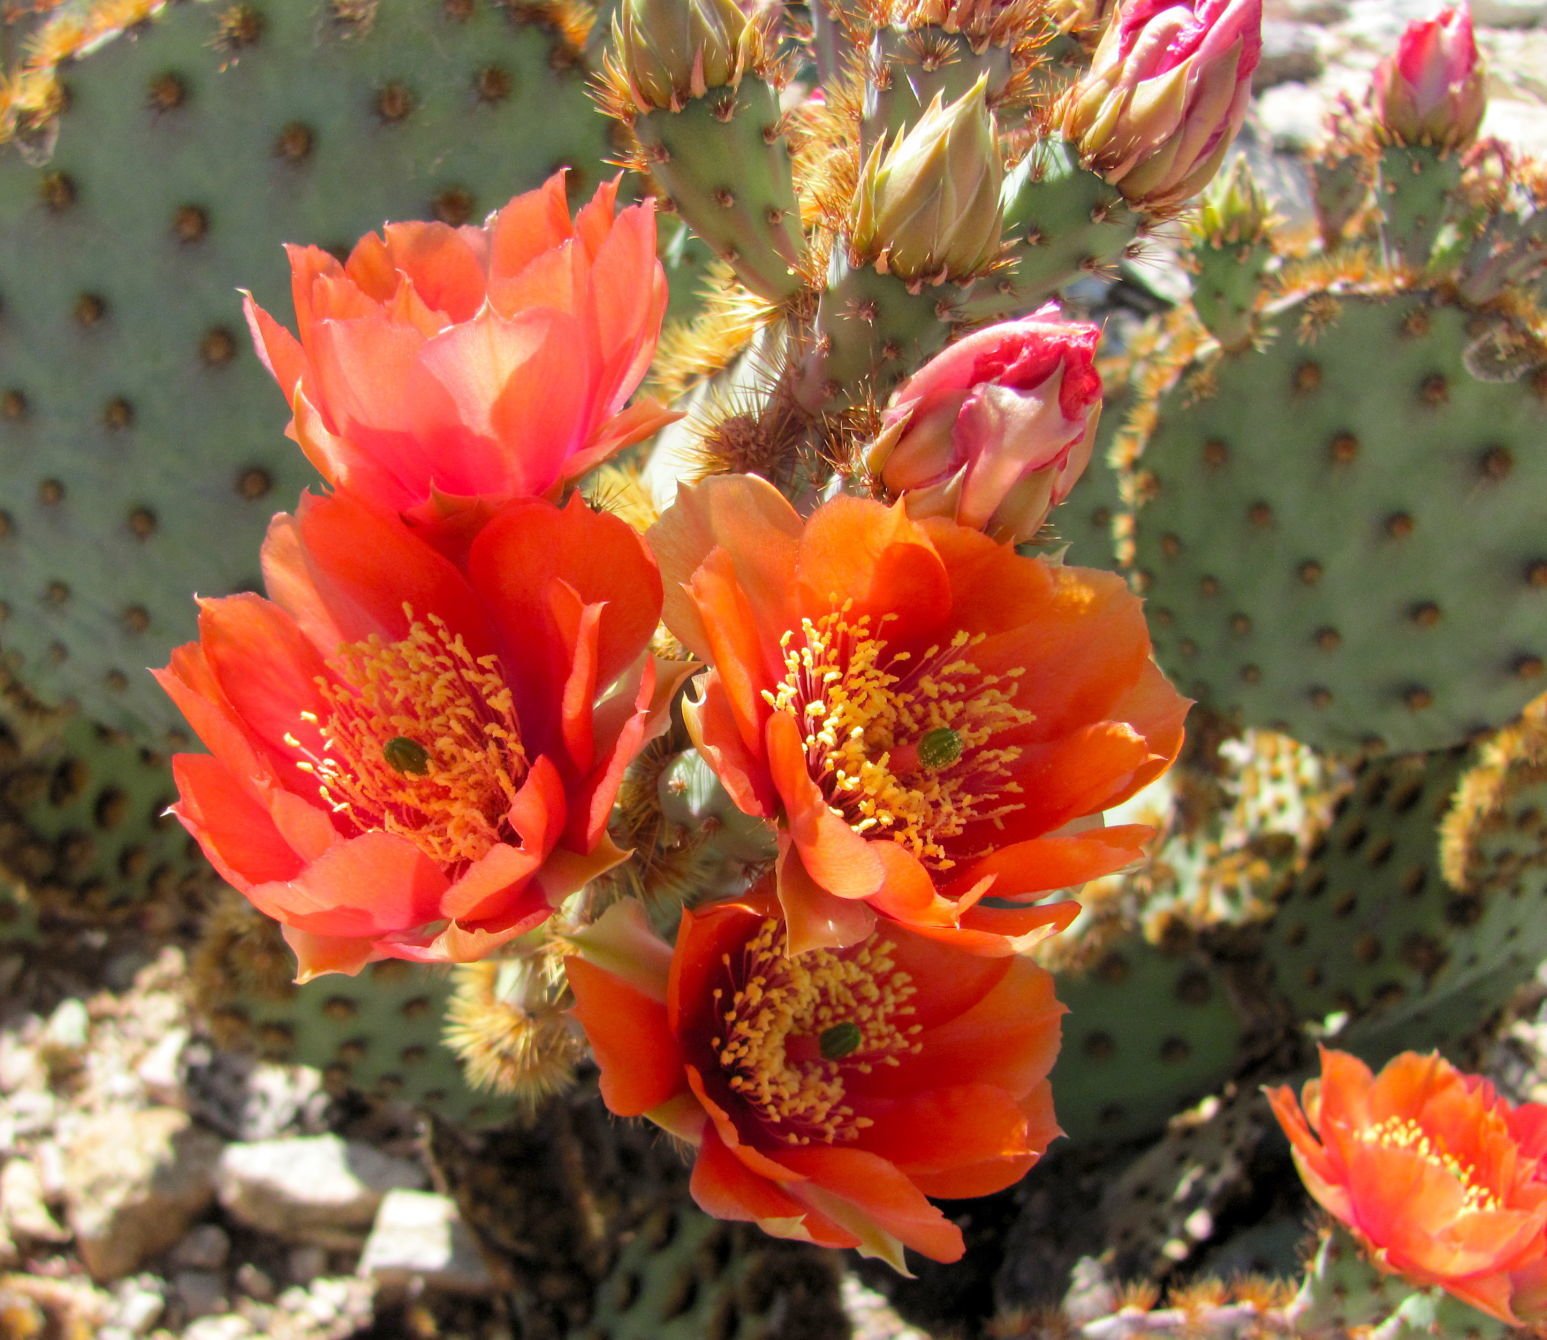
(488, 889)
(347, 547)
(530, 543)
(318, 954)
(644, 418)
(816, 918)
(371, 885)
(626, 315)
(576, 626)
(837, 858)
(594, 219)
(368, 375)
(230, 823)
(640, 1060)
(875, 556)
(543, 406)
(265, 668)
(191, 684)
(622, 944)
(723, 1186)
(555, 281)
(881, 1194)
(734, 647)
(621, 726)
(446, 266)
(945, 1127)
(716, 734)
(753, 522)
(1044, 864)
(278, 350)
(528, 226)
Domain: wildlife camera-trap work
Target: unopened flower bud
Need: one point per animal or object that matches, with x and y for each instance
(994, 431)
(1165, 95)
(1233, 210)
(928, 205)
(1430, 92)
(668, 51)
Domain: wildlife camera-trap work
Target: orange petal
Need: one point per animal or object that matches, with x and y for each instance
(319, 954)
(836, 857)
(878, 558)
(816, 918)
(640, 1060)
(230, 823)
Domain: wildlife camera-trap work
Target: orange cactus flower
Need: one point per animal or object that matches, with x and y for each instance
(408, 760)
(444, 370)
(1439, 1177)
(827, 1095)
(935, 722)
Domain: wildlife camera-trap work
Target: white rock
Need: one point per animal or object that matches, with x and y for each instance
(161, 1071)
(228, 1327)
(68, 1029)
(306, 1263)
(134, 1181)
(1291, 52)
(419, 1237)
(255, 1283)
(318, 1188)
(139, 1305)
(22, 1204)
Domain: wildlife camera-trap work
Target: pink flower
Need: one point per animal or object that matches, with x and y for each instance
(1165, 95)
(442, 371)
(1431, 91)
(994, 431)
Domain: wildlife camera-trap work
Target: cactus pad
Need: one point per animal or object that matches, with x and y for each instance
(1352, 558)
(140, 441)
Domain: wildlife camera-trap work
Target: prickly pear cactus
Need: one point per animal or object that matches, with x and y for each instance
(140, 447)
(1353, 560)
(684, 1275)
(380, 1034)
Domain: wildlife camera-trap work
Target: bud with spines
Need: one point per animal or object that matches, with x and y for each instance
(1430, 92)
(927, 205)
(668, 51)
(1165, 95)
(1230, 253)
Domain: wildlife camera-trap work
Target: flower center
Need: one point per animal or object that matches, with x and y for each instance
(420, 739)
(794, 1027)
(1405, 1133)
(901, 744)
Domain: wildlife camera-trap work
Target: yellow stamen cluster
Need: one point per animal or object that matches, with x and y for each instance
(421, 739)
(864, 711)
(779, 1008)
(1405, 1133)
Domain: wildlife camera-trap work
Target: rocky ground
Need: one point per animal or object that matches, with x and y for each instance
(154, 1186)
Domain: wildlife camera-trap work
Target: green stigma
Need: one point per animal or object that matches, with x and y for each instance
(839, 1040)
(406, 755)
(940, 747)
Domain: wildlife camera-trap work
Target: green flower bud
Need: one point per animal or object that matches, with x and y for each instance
(927, 207)
(1233, 210)
(667, 51)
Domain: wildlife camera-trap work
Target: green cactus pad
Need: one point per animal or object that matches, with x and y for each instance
(685, 1276)
(1372, 928)
(141, 447)
(1340, 533)
(84, 828)
(378, 1033)
(1149, 1029)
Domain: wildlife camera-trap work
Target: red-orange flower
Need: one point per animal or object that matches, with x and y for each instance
(932, 719)
(443, 365)
(830, 1093)
(410, 761)
(1439, 1176)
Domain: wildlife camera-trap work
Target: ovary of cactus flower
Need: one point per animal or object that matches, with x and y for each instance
(994, 432)
(927, 206)
(668, 51)
(1431, 91)
(1165, 95)
(1233, 211)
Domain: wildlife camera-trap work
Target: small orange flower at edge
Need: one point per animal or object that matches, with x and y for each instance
(829, 1094)
(932, 719)
(441, 371)
(409, 761)
(1439, 1177)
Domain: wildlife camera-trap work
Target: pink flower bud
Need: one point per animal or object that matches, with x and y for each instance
(1431, 91)
(994, 431)
(1165, 95)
